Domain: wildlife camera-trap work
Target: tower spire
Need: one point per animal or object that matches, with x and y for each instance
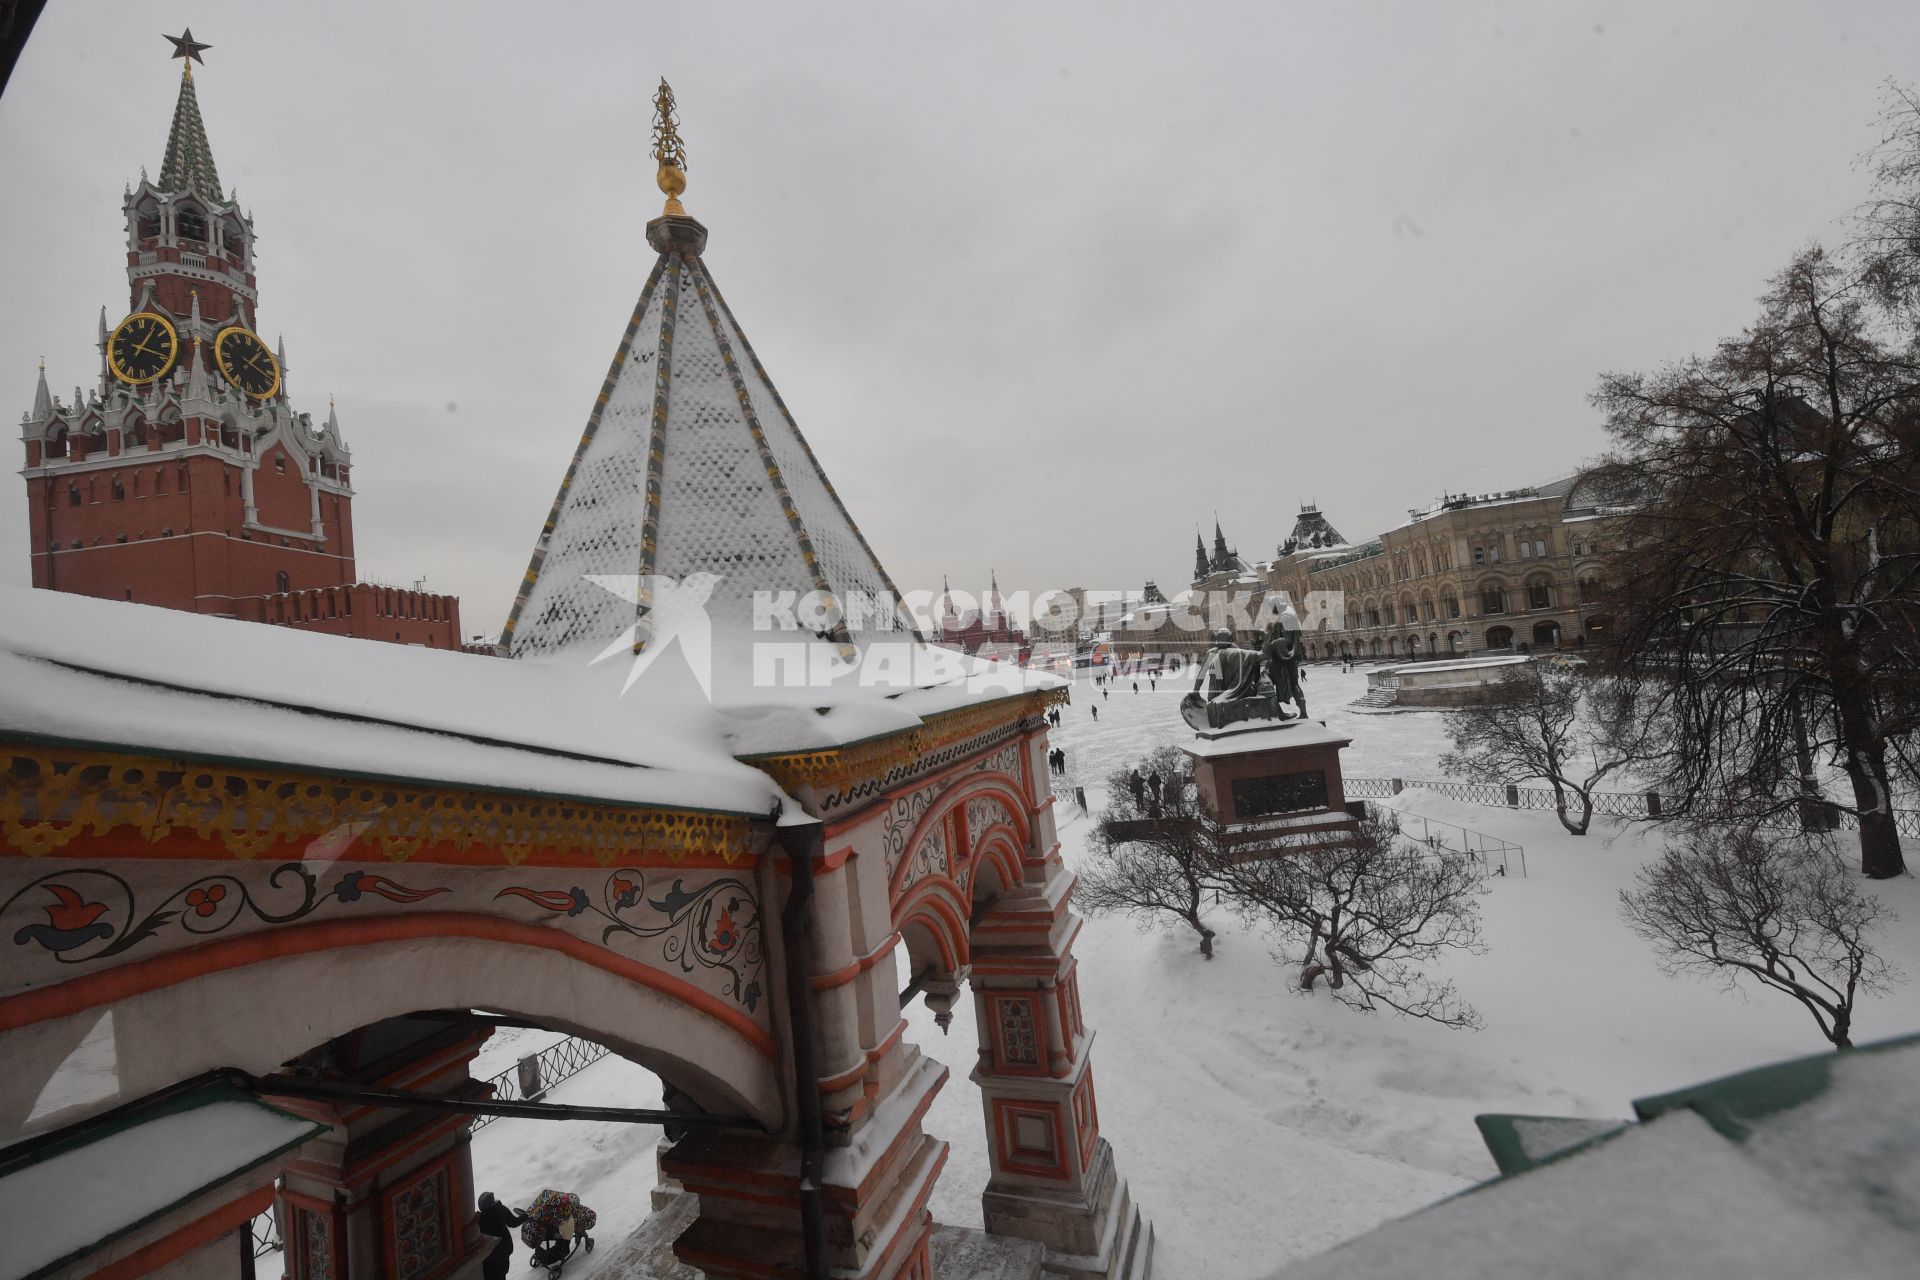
(669, 150)
(189, 158)
(42, 397)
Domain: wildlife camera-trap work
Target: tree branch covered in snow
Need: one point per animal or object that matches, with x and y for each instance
(1569, 728)
(1781, 910)
(1154, 849)
(1368, 917)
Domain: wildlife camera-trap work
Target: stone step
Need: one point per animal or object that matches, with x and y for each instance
(963, 1253)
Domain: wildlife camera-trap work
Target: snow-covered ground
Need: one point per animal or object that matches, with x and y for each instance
(1258, 1125)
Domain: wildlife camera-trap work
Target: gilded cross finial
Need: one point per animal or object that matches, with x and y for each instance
(186, 48)
(669, 150)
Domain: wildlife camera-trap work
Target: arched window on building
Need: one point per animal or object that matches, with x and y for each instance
(1426, 608)
(1592, 588)
(1540, 548)
(190, 223)
(73, 495)
(1499, 637)
(1479, 555)
(1493, 598)
(1540, 593)
(118, 488)
(281, 582)
(1451, 603)
(1526, 549)
(148, 228)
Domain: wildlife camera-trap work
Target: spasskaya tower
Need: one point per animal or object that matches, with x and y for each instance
(185, 477)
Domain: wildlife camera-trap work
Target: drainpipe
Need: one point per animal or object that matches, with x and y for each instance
(801, 840)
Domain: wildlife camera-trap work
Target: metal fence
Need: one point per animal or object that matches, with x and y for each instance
(1496, 857)
(265, 1231)
(1068, 791)
(528, 1079)
(1616, 804)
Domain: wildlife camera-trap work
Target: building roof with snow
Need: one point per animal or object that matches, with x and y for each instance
(1803, 1168)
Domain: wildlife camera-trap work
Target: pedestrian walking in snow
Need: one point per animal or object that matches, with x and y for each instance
(1136, 686)
(1138, 786)
(1153, 785)
(1096, 711)
(1105, 694)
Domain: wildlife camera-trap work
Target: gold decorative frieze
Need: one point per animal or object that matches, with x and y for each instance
(51, 796)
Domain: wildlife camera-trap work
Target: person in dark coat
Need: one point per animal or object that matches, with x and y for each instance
(1137, 785)
(497, 1220)
(1096, 711)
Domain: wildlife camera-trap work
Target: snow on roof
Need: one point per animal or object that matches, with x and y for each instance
(1801, 1169)
(78, 1198)
(135, 676)
(115, 674)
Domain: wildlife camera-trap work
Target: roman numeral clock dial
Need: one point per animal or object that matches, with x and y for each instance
(246, 362)
(143, 349)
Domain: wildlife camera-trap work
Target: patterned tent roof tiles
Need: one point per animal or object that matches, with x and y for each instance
(189, 159)
(690, 463)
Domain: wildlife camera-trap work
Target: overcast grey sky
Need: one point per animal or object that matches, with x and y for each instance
(1044, 283)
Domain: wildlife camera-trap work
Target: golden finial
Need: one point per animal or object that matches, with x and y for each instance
(669, 150)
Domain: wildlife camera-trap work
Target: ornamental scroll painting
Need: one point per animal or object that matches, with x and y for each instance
(88, 914)
(708, 931)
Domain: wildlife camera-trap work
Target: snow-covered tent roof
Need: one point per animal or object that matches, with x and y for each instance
(691, 464)
(1805, 1168)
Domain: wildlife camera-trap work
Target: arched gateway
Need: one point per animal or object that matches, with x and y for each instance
(234, 852)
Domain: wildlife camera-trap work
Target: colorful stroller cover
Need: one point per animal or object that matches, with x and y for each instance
(549, 1209)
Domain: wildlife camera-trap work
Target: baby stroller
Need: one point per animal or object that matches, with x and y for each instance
(556, 1228)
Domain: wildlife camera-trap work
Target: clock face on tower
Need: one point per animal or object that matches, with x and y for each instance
(143, 349)
(246, 362)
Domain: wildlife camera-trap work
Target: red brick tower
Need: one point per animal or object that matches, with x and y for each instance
(186, 478)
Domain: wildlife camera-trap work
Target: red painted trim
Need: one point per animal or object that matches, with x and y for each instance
(936, 902)
(916, 1253)
(156, 972)
(840, 977)
(234, 1214)
(1005, 1110)
(879, 1051)
(1000, 786)
(357, 1178)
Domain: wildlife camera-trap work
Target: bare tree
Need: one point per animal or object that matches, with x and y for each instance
(1770, 558)
(1887, 239)
(1369, 915)
(1571, 729)
(1154, 849)
(1776, 908)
